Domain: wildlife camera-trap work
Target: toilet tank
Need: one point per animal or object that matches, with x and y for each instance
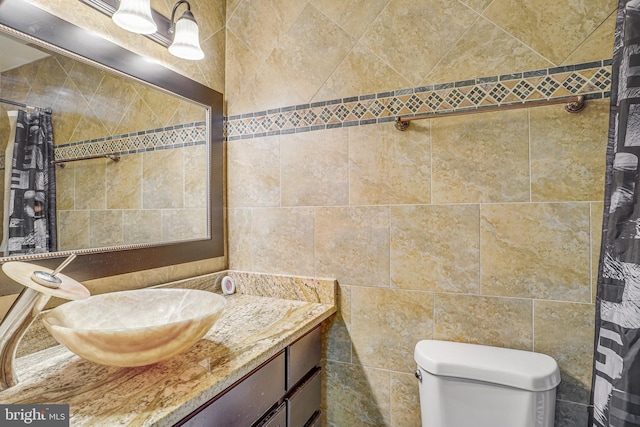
(481, 386)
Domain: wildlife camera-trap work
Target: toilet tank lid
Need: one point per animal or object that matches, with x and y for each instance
(515, 368)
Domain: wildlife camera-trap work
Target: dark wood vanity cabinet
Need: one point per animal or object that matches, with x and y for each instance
(283, 392)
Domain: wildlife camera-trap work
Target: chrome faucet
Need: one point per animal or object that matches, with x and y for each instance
(40, 286)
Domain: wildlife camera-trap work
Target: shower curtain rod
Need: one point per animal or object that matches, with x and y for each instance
(574, 104)
(23, 105)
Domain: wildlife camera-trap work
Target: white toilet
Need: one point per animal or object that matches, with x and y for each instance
(468, 385)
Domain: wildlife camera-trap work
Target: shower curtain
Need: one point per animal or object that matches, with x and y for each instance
(32, 206)
(615, 392)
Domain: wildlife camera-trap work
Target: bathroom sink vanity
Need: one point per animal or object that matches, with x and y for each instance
(258, 365)
(284, 391)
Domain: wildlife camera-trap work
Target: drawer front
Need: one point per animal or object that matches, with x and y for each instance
(316, 421)
(304, 355)
(304, 401)
(278, 418)
(244, 403)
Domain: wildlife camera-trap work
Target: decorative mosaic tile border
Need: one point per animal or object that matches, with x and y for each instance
(169, 137)
(592, 79)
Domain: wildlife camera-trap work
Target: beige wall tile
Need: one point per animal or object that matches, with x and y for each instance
(88, 126)
(564, 331)
(181, 224)
(68, 112)
(138, 116)
(435, 248)
(353, 16)
(162, 106)
(405, 401)
(536, 250)
(73, 230)
(142, 226)
(111, 100)
(480, 158)
(315, 174)
(386, 324)
(298, 48)
(253, 172)
(214, 68)
(85, 78)
(239, 239)
(124, 186)
(336, 339)
(268, 88)
(270, 20)
(389, 167)
(477, 5)
(356, 396)
(597, 45)
(106, 228)
(485, 50)
(597, 215)
(282, 240)
(543, 24)
(360, 72)
(499, 322)
(65, 187)
(196, 160)
(90, 184)
(404, 25)
(568, 152)
(161, 190)
(241, 68)
(352, 245)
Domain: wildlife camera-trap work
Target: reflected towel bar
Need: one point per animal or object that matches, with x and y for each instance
(573, 104)
(23, 105)
(61, 162)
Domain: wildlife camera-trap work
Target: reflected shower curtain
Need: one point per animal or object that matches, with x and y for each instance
(32, 208)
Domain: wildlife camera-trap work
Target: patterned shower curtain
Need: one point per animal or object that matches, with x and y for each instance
(32, 208)
(615, 395)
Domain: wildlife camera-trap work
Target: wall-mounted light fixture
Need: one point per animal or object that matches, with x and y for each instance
(186, 43)
(181, 36)
(135, 16)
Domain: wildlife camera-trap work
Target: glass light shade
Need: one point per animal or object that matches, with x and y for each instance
(186, 43)
(135, 16)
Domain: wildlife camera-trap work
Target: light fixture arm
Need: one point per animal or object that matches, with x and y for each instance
(173, 14)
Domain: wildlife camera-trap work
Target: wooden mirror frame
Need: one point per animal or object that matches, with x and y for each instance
(32, 23)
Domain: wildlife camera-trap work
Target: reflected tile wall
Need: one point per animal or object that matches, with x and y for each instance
(121, 202)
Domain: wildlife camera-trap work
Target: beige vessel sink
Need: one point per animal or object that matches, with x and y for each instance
(134, 328)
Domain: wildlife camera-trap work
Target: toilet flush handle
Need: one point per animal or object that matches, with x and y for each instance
(418, 374)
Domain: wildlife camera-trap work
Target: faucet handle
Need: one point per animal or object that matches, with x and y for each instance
(60, 285)
(49, 279)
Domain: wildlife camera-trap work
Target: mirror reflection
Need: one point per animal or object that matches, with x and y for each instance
(129, 160)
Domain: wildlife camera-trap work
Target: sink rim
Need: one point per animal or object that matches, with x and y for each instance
(52, 314)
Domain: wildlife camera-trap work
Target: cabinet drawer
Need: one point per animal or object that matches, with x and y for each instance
(304, 355)
(304, 401)
(278, 418)
(245, 402)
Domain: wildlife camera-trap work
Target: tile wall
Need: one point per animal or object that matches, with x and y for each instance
(481, 228)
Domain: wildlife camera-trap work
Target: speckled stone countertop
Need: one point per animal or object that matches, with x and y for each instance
(252, 329)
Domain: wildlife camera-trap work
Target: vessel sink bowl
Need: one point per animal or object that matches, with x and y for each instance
(134, 328)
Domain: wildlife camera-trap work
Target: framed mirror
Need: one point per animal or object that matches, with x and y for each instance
(138, 150)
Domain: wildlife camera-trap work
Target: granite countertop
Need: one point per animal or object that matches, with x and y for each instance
(251, 330)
